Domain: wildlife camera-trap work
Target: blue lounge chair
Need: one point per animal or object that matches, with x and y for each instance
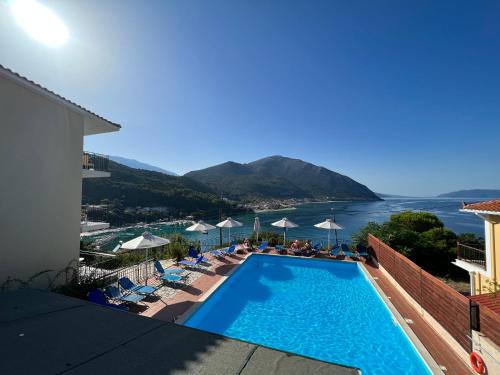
(335, 251)
(98, 297)
(280, 249)
(217, 253)
(193, 253)
(129, 286)
(263, 246)
(114, 293)
(191, 263)
(316, 248)
(361, 250)
(230, 250)
(169, 271)
(347, 252)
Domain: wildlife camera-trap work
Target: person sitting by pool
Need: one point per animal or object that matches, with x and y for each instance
(246, 245)
(295, 248)
(307, 248)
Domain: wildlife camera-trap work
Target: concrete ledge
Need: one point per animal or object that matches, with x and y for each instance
(48, 333)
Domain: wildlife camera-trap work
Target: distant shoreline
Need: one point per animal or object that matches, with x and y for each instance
(274, 209)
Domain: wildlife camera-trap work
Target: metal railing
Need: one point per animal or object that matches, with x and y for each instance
(95, 162)
(101, 272)
(471, 255)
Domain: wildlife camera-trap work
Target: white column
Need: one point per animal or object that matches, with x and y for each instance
(472, 283)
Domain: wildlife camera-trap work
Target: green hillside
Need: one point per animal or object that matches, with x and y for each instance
(280, 177)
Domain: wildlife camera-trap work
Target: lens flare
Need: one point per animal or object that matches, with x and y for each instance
(39, 22)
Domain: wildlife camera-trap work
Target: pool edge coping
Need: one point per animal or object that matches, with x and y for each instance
(419, 346)
(181, 319)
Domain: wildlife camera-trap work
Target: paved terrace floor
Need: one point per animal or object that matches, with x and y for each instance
(47, 333)
(186, 299)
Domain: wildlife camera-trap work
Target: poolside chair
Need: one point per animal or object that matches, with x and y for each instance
(190, 263)
(129, 286)
(347, 252)
(217, 254)
(115, 294)
(335, 251)
(169, 271)
(263, 246)
(280, 249)
(316, 249)
(97, 296)
(230, 250)
(361, 250)
(193, 253)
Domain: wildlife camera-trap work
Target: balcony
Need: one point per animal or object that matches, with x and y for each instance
(474, 259)
(95, 165)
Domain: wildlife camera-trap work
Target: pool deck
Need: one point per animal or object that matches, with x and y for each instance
(184, 303)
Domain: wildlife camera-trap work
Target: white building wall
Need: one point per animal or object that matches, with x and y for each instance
(41, 145)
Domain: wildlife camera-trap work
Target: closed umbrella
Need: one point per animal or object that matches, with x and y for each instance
(145, 241)
(256, 227)
(284, 223)
(201, 227)
(229, 223)
(329, 224)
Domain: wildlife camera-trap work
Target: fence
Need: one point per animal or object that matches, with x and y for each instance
(103, 273)
(448, 307)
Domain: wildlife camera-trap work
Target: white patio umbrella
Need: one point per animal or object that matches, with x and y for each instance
(256, 227)
(284, 223)
(201, 227)
(329, 224)
(145, 241)
(229, 223)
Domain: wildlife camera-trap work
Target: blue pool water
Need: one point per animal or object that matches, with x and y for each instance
(322, 309)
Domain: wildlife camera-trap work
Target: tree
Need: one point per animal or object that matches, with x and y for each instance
(417, 221)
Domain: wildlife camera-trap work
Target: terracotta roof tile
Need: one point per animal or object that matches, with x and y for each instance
(491, 206)
(49, 92)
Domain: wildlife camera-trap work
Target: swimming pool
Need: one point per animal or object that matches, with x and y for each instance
(318, 308)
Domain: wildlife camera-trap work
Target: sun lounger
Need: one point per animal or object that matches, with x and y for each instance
(115, 294)
(361, 250)
(191, 263)
(129, 286)
(347, 252)
(169, 271)
(97, 296)
(263, 246)
(335, 250)
(193, 253)
(230, 250)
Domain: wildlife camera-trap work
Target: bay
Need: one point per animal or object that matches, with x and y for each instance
(351, 215)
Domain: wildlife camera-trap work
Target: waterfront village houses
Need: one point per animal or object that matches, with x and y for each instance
(483, 265)
(42, 163)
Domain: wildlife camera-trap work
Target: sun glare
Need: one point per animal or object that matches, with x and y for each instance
(39, 22)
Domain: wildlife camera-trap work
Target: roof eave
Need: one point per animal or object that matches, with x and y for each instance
(94, 124)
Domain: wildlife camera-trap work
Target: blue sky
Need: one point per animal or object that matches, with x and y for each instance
(401, 96)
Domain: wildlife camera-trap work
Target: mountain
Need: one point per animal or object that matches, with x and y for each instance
(473, 193)
(132, 163)
(280, 177)
(138, 187)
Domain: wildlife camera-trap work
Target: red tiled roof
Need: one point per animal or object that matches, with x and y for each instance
(490, 206)
(491, 301)
(52, 93)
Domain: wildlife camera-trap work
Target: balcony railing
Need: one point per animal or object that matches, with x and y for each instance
(471, 255)
(95, 162)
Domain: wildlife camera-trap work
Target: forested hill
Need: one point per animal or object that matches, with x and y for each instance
(280, 177)
(138, 187)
